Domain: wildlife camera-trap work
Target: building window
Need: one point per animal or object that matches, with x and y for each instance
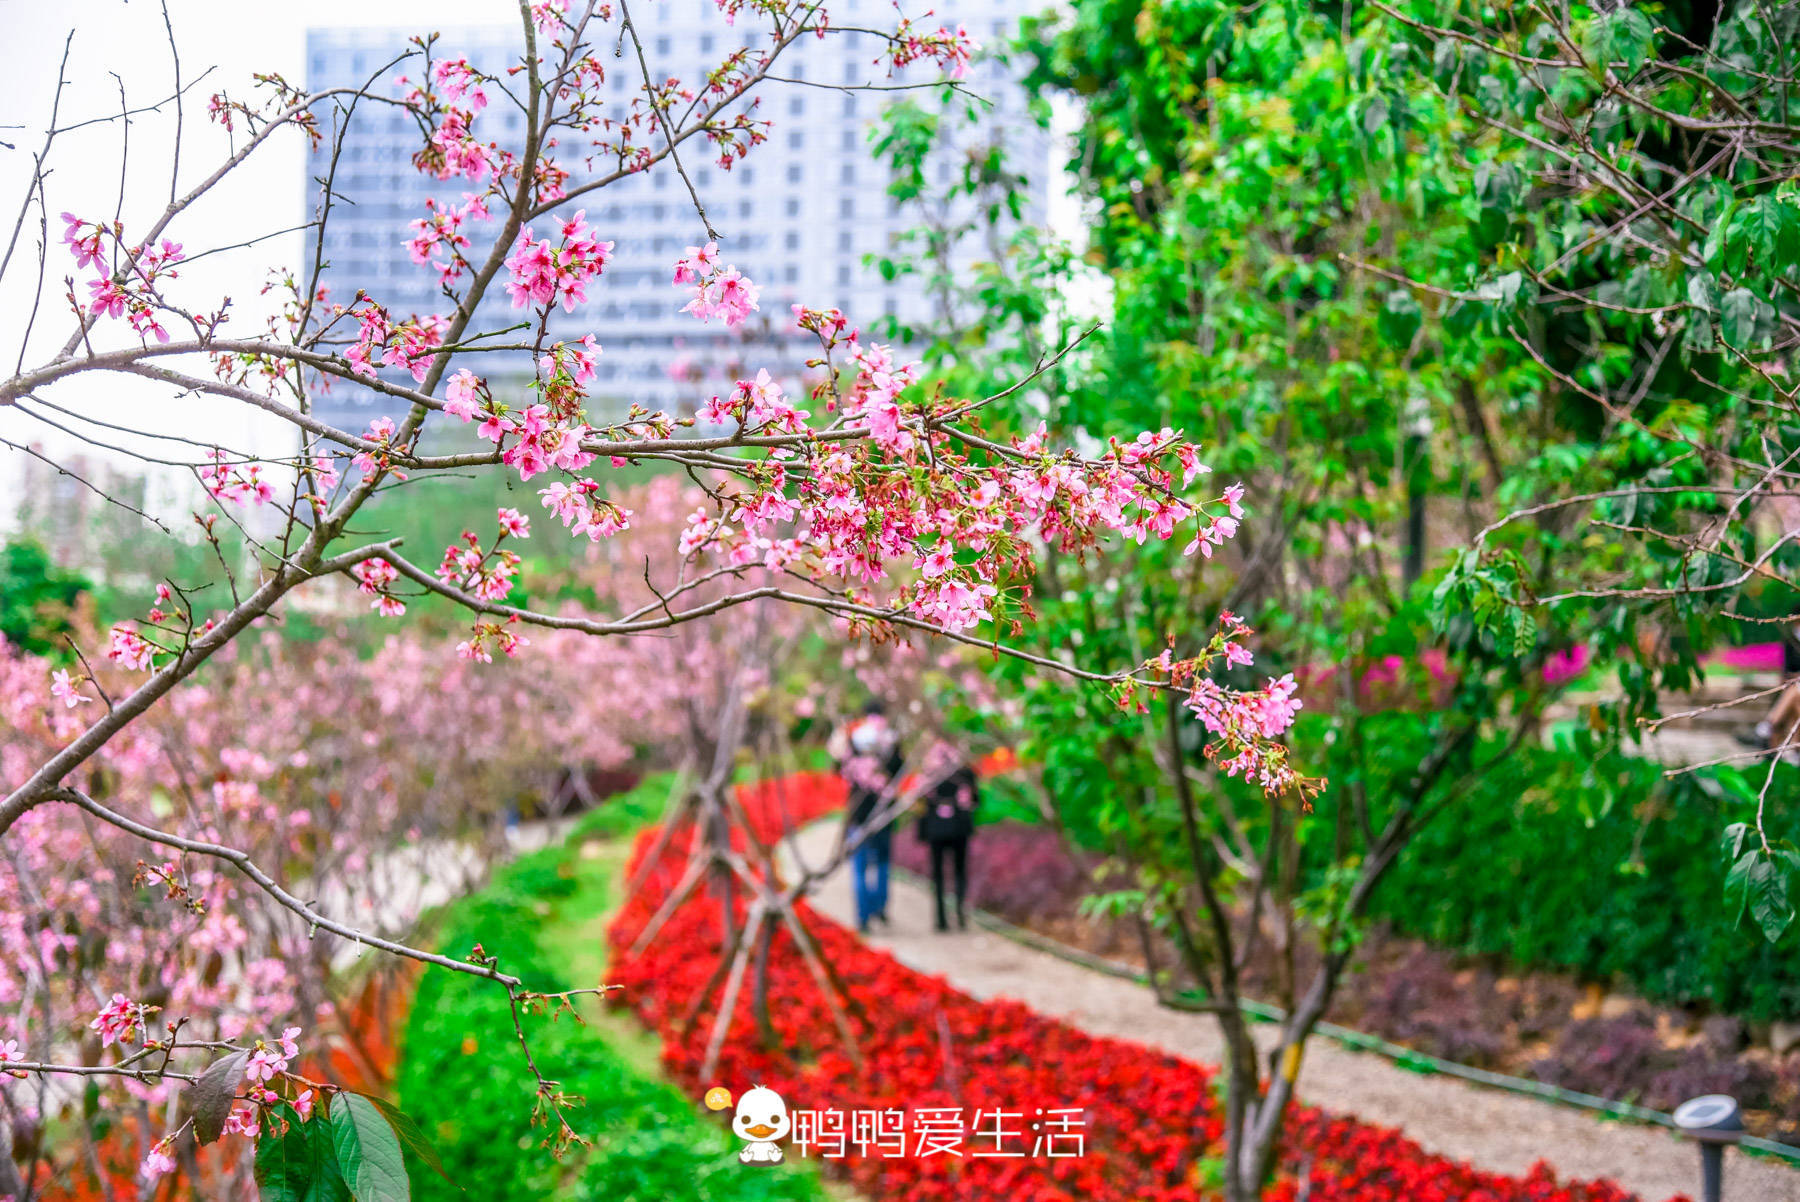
(793, 240)
(793, 207)
(797, 105)
(794, 172)
(847, 207)
(796, 138)
(843, 239)
(843, 273)
(849, 173)
(790, 273)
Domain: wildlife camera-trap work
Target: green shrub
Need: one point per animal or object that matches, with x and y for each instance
(1535, 867)
(36, 599)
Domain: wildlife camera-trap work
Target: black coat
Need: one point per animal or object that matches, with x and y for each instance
(947, 817)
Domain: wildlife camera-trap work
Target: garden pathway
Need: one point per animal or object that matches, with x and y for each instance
(1489, 1128)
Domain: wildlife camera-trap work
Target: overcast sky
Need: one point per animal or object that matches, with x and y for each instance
(232, 41)
(129, 40)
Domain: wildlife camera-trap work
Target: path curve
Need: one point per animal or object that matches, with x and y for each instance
(1490, 1129)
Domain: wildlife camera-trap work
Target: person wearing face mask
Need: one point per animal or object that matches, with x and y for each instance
(868, 753)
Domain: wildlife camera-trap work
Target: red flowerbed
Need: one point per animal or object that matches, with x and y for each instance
(1150, 1118)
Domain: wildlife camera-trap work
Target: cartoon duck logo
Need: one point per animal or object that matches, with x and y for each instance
(761, 1119)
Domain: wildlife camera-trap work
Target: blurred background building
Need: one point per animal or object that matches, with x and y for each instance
(801, 215)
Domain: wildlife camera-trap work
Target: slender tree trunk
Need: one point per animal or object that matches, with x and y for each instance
(759, 994)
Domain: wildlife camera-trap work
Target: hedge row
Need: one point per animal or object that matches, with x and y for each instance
(1536, 869)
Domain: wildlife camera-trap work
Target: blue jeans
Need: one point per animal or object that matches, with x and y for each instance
(869, 875)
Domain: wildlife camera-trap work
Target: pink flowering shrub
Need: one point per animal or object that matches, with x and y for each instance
(201, 821)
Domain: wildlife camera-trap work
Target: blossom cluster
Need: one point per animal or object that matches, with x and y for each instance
(544, 273)
(239, 483)
(130, 290)
(375, 578)
(719, 291)
(381, 341)
(950, 49)
(487, 574)
(440, 232)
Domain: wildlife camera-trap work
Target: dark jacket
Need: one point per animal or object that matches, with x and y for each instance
(949, 815)
(862, 799)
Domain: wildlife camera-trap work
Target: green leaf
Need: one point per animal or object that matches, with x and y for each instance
(1737, 897)
(368, 1151)
(1770, 902)
(1760, 882)
(1499, 186)
(299, 1164)
(1400, 318)
(410, 1135)
(1375, 114)
(1767, 228)
(1738, 317)
(1733, 840)
(1622, 37)
(210, 1098)
(1703, 291)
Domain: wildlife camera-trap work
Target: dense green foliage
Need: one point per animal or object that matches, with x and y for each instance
(1489, 310)
(37, 599)
(1532, 870)
(460, 1062)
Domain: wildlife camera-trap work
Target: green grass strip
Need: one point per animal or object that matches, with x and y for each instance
(462, 1076)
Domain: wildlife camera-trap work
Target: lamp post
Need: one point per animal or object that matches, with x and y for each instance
(1712, 1121)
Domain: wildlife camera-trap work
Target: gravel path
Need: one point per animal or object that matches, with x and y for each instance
(1489, 1128)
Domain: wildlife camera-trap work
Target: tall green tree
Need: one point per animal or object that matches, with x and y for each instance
(1637, 188)
(1295, 240)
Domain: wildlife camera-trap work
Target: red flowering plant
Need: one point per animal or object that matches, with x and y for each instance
(866, 496)
(1148, 1121)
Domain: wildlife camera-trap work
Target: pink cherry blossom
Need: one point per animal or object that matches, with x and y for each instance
(66, 690)
(543, 274)
(725, 293)
(462, 394)
(129, 649)
(117, 1021)
(160, 1160)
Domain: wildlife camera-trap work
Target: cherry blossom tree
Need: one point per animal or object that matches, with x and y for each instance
(863, 497)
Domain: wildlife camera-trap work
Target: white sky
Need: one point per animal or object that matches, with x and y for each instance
(129, 40)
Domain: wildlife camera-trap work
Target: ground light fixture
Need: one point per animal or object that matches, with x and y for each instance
(1712, 1121)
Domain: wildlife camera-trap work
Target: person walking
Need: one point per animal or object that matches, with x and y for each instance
(946, 827)
(868, 753)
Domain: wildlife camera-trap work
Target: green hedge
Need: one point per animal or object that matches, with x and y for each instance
(461, 1074)
(1532, 867)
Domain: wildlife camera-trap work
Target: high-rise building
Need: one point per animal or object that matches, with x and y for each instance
(800, 215)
